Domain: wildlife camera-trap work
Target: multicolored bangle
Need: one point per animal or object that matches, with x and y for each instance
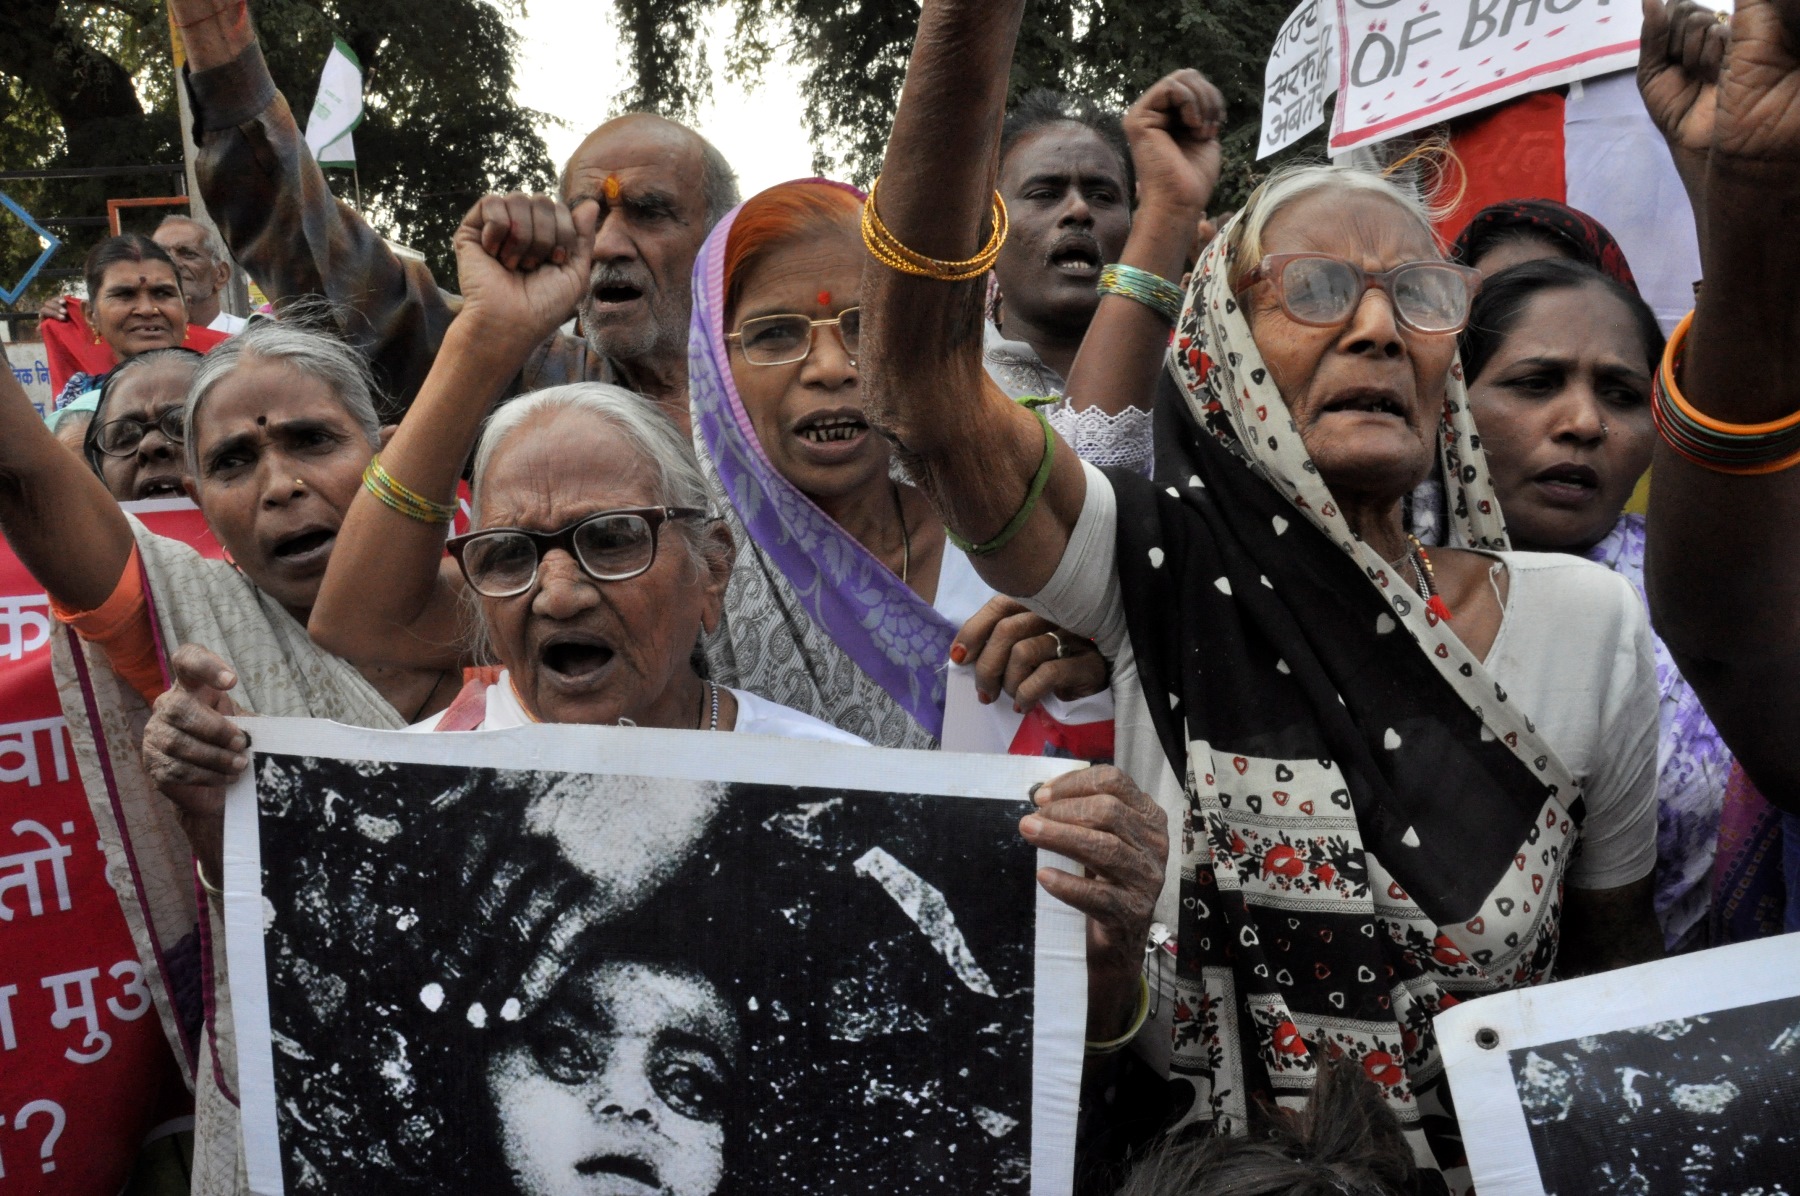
(1746, 450)
(410, 503)
(1035, 492)
(1152, 290)
(887, 249)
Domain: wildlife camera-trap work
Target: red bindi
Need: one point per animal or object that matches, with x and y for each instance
(824, 298)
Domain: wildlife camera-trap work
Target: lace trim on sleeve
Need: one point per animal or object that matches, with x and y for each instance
(1126, 439)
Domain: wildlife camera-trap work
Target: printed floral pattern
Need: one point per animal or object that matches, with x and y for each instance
(1693, 769)
(1295, 938)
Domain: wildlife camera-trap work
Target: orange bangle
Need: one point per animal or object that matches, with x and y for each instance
(1714, 444)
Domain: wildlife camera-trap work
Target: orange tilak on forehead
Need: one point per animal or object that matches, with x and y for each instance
(611, 188)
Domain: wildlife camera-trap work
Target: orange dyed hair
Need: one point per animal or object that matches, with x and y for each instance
(777, 216)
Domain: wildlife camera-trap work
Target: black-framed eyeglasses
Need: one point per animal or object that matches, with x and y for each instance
(121, 437)
(1323, 291)
(502, 562)
(785, 339)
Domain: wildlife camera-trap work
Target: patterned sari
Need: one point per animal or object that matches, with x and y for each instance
(1373, 831)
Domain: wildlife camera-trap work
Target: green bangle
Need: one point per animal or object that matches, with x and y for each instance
(1152, 290)
(1032, 495)
(1137, 1023)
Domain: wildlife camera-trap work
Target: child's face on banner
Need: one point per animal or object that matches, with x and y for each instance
(620, 1089)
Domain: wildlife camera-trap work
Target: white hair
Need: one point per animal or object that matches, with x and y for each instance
(209, 236)
(342, 370)
(651, 434)
(1292, 182)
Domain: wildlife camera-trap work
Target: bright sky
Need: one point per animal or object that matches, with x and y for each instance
(571, 65)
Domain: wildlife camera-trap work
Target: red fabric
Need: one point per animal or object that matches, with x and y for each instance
(1513, 151)
(469, 709)
(81, 1046)
(1041, 735)
(71, 348)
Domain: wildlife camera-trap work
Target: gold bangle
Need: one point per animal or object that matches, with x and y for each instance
(410, 503)
(200, 874)
(1113, 1045)
(888, 249)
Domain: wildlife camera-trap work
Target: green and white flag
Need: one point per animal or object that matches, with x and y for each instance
(338, 108)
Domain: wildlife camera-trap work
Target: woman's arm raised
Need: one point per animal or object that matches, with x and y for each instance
(59, 517)
(1723, 575)
(974, 452)
(389, 596)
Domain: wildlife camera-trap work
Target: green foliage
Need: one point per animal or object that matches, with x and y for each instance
(91, 84)
(854, 54)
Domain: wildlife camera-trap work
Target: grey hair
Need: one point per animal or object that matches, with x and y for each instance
(342, 370)
(215, 247)
(718, 183)
(1292, 182)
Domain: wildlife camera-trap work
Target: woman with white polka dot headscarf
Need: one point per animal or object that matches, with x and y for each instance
(1404, 777)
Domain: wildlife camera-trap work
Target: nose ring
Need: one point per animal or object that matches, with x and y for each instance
(300, 484)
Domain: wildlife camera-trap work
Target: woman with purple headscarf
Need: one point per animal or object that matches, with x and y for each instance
(846, 596)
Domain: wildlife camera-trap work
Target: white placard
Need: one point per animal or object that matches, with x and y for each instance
(30, 364)
(1405, 64)
(349, 824)
(1302, 72)
(1697, 1056)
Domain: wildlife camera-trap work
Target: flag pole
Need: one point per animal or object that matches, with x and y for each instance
(356, 182)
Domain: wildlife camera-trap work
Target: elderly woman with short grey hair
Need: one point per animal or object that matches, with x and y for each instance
(278, 429)
(597, 559)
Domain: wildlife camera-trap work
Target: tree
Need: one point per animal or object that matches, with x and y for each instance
(854, 53)
(90, 83)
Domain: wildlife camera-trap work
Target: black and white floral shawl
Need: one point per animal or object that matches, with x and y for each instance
(1373, 831)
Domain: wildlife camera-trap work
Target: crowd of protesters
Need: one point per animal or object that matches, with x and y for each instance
(1334, 516)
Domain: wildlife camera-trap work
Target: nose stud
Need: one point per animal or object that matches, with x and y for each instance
(300, 484)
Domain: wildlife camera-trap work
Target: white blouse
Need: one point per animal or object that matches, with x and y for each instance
(756, 716)
(1574, 649)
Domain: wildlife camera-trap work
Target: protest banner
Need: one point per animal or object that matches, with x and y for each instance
(86, 1072)
(1302, 72)
(1407, 66)
(1669, 1077)
(561, 956)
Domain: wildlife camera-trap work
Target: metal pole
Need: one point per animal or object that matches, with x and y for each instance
(236, 296)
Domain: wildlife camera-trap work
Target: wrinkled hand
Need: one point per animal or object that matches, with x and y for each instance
(522, 262)
(1016, 651)
(192, 749)
(1173, 130)
(1757, 120)
(1101, 820)
(55, 308)
(1681, 50)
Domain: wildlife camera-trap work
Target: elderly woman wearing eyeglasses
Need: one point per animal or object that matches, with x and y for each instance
(598, 559)
(136, 443)
(1407, 778)
(847, 596)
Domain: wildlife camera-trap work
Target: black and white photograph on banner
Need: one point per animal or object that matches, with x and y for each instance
(595, 972)
(1677, 1078)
